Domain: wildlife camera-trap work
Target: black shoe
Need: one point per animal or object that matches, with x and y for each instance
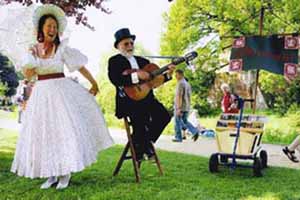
(184, 138)
(290, 154)
(151, 158)
(195, 137)
(139, 156)
(149, 154)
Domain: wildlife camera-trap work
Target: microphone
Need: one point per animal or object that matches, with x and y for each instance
(191, 55)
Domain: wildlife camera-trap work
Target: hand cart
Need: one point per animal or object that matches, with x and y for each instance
(239, 137)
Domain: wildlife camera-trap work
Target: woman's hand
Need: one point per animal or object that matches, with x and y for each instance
(33, 51)
(94, 89)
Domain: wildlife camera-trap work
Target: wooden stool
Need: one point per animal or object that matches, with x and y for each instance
(132, 156)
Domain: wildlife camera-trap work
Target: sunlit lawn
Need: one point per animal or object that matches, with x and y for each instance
(278, 130)
(186, 177)
(9, 115)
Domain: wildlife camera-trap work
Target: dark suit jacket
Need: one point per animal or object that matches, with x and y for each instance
(116, 66)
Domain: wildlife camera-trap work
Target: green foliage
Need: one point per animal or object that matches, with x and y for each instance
(9, 115)
(279, 94)
(278, 130)
(8, 77)
(280, 136)
(201, 88)
(204, 24)
(166, 93)
(3, 89)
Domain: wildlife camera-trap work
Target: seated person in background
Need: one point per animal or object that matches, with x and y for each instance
(203, 131)
(228, 101)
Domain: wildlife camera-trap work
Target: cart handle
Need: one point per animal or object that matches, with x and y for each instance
(244, 100)
(248, 100)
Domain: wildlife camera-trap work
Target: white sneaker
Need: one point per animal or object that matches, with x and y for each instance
(63, 182)
(51, 180)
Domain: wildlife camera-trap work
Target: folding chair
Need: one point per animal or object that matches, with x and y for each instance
(132, 156)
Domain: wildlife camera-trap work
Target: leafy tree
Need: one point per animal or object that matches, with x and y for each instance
(8, 77)
(208, 26)
(3, 88)
(279, 94)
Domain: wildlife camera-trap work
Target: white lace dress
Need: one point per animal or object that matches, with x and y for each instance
(63, 128)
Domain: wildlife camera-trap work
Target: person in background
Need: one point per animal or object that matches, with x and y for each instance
(20, 98)
(228, 101)
(182, 104)
(289, 151)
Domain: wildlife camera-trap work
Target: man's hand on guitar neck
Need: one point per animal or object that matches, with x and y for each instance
(171, 69)
(143, 75)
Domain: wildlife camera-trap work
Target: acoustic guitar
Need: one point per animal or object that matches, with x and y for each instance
(141, 90)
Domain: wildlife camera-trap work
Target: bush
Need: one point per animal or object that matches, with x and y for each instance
(279, 136)
(280, 95)
(204, 108)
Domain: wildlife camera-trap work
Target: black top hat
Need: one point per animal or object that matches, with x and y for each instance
(122, 34)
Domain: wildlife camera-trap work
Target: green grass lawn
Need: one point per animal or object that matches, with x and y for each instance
(278, 130)
(9, 115)
(186, 177)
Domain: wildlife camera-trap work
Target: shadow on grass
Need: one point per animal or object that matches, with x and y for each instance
(186, 177)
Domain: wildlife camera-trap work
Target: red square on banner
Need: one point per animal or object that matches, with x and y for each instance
(291, 42)
(239, 42)
(290, 70)
(236, 65)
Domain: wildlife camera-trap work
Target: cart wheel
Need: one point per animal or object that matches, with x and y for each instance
(213, 163)
(224, 159)
(264, 158)
(257, 167)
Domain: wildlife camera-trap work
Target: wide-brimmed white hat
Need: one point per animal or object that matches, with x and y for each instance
(54, 10)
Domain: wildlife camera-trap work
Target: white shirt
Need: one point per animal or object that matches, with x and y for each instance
(134, 65)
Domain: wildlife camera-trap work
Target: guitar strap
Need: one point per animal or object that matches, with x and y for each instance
(121, 92)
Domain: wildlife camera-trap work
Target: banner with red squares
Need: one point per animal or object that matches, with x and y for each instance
(290, 70)
(239, 42)
(236, 65)
(275, 53)
(291, 42)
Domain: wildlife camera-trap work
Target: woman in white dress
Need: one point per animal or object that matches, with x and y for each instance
(63, 128)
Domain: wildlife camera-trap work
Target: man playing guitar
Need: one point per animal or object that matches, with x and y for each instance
(148, 116)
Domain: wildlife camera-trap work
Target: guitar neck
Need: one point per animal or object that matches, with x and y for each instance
(188, 57)
(160, 70)
(165, 68)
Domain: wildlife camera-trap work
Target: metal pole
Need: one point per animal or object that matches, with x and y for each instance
(261, 24)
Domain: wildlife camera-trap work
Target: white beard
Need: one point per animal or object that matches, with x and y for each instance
(126, 54)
